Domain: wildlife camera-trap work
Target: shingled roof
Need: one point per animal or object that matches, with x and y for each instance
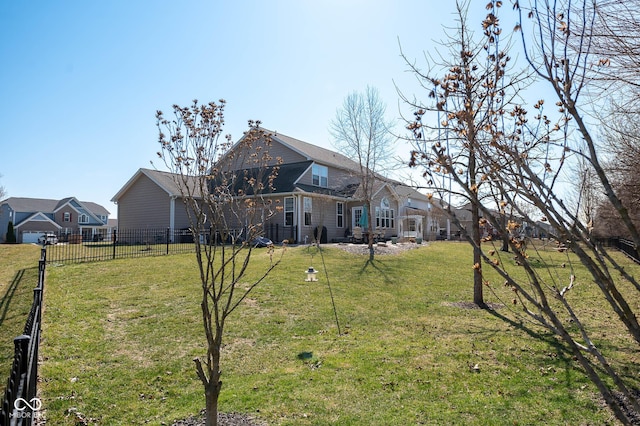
(165, 180)
(317, 153)
(23, 204)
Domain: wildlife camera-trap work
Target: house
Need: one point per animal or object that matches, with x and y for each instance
(32, 217)
(317, 189)
(151, 199)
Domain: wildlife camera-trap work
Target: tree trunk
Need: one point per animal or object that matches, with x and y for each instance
(213, 386)
(371, 251)
(211, 396)
(504, 234)
(478, 297)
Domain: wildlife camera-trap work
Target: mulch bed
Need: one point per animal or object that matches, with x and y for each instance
(224, 419)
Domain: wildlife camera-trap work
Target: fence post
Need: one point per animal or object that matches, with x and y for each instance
(22, 347)
(114, 239)
(168, 231)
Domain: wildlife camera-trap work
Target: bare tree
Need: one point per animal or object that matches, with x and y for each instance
(562, 57)
(361, 131)
(222, 187)
(620, 138)
(3, 192)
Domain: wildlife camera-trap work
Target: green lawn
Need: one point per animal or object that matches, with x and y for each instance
(119, 338)
(18, 278)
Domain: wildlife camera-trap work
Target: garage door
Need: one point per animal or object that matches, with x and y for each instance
(31, 236)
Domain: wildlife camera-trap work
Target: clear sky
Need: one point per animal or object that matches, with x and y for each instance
(82, 80)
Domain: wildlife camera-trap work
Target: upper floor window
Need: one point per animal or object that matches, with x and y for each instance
(320, 175)
(83, 218)
(67, 217)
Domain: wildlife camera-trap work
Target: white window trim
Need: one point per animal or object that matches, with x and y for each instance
(321, 172)
(292, 210)
(339, 215)
(308, 208)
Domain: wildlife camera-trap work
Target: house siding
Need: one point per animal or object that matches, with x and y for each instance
(70, 227)
(5, 218)
(181, 219)
(323, 214)
(337, 178)
(144, 205)
(276, 151)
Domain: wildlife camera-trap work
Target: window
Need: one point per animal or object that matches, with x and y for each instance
(320, 175)
(357, 215)
(289, 211)
(340, 214)
(385, 218)
(308, 208)
(67, 217)
(83, 218)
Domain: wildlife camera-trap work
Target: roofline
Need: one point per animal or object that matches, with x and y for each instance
(134, 178)
(28, 219)
(82, 204)
(275, 135)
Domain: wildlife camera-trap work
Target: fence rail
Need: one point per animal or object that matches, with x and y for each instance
(120, 244)
(19, 404)
(626, 246)
(131, 243)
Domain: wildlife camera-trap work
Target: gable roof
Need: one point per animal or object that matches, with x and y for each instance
(22, 204)
(410, 192)
(288, 174)
(26, 205)
(165, 181)
(37, 217)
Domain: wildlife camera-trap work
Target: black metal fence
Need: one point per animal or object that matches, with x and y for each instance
(120, 244)
(130, 243)
(20, 405)
(624, 245)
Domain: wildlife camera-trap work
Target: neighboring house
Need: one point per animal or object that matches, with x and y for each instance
(538, 229)
(151, 199)
(33, 217)
(421, 216)
(316, 188)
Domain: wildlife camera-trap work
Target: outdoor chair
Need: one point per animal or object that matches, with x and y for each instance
(357, 235)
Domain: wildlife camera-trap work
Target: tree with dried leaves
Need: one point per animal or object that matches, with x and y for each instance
(468, 103)
(361, 131)
(222, 186)
(523, 161)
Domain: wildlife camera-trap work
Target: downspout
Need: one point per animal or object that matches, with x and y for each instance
(172, 213)
(299, 207)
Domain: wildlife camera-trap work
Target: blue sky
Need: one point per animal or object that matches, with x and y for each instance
(82, 80)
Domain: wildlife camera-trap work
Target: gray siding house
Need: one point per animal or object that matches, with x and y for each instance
(150, 199)
(316, 187)
(32, 217)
